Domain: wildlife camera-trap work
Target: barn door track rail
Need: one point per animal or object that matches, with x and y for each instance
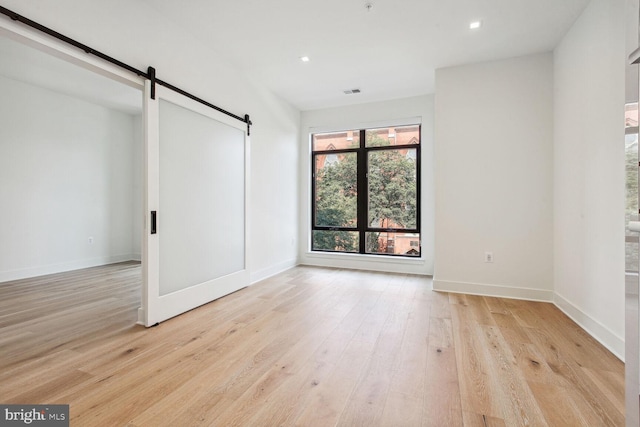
(150, 74)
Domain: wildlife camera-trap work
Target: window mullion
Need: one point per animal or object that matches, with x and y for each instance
(313, 192)
(419, 184)
(363, 193)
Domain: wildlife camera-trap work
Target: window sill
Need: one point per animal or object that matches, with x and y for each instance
(391, 264)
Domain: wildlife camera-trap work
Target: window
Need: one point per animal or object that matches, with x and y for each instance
(366, 187)
(631, 167)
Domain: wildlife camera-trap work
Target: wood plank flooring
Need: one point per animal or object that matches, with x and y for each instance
(309, 347)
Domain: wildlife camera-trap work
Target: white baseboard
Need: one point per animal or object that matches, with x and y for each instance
(597, 330)
(493, 290)
(141, 316)
(42, 270)
(265, 273)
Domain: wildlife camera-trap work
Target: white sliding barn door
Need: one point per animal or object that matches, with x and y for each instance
(196, 187)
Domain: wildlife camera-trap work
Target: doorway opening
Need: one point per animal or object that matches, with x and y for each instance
(71, 167)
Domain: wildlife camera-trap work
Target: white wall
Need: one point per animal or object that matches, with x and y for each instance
(135, 33)
(589, 172)
(274, 186)
(66, 173)
(494, 177)
(365, 115)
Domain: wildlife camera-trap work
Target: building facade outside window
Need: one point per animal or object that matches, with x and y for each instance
(366, 191)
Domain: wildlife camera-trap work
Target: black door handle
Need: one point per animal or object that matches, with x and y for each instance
(153, 222)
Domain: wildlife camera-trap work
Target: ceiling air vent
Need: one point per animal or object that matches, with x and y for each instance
(351, 91)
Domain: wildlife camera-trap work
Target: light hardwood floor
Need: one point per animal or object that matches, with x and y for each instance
(309, 347)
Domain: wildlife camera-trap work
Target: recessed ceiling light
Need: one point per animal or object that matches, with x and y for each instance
(475, 25)
(304, 58)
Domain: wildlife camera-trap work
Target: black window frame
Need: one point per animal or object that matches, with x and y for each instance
(362, 228)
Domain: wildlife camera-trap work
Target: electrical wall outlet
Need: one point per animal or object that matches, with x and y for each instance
(91, 240)
(488, 257)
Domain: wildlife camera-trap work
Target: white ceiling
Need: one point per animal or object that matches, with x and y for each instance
(390, 52)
